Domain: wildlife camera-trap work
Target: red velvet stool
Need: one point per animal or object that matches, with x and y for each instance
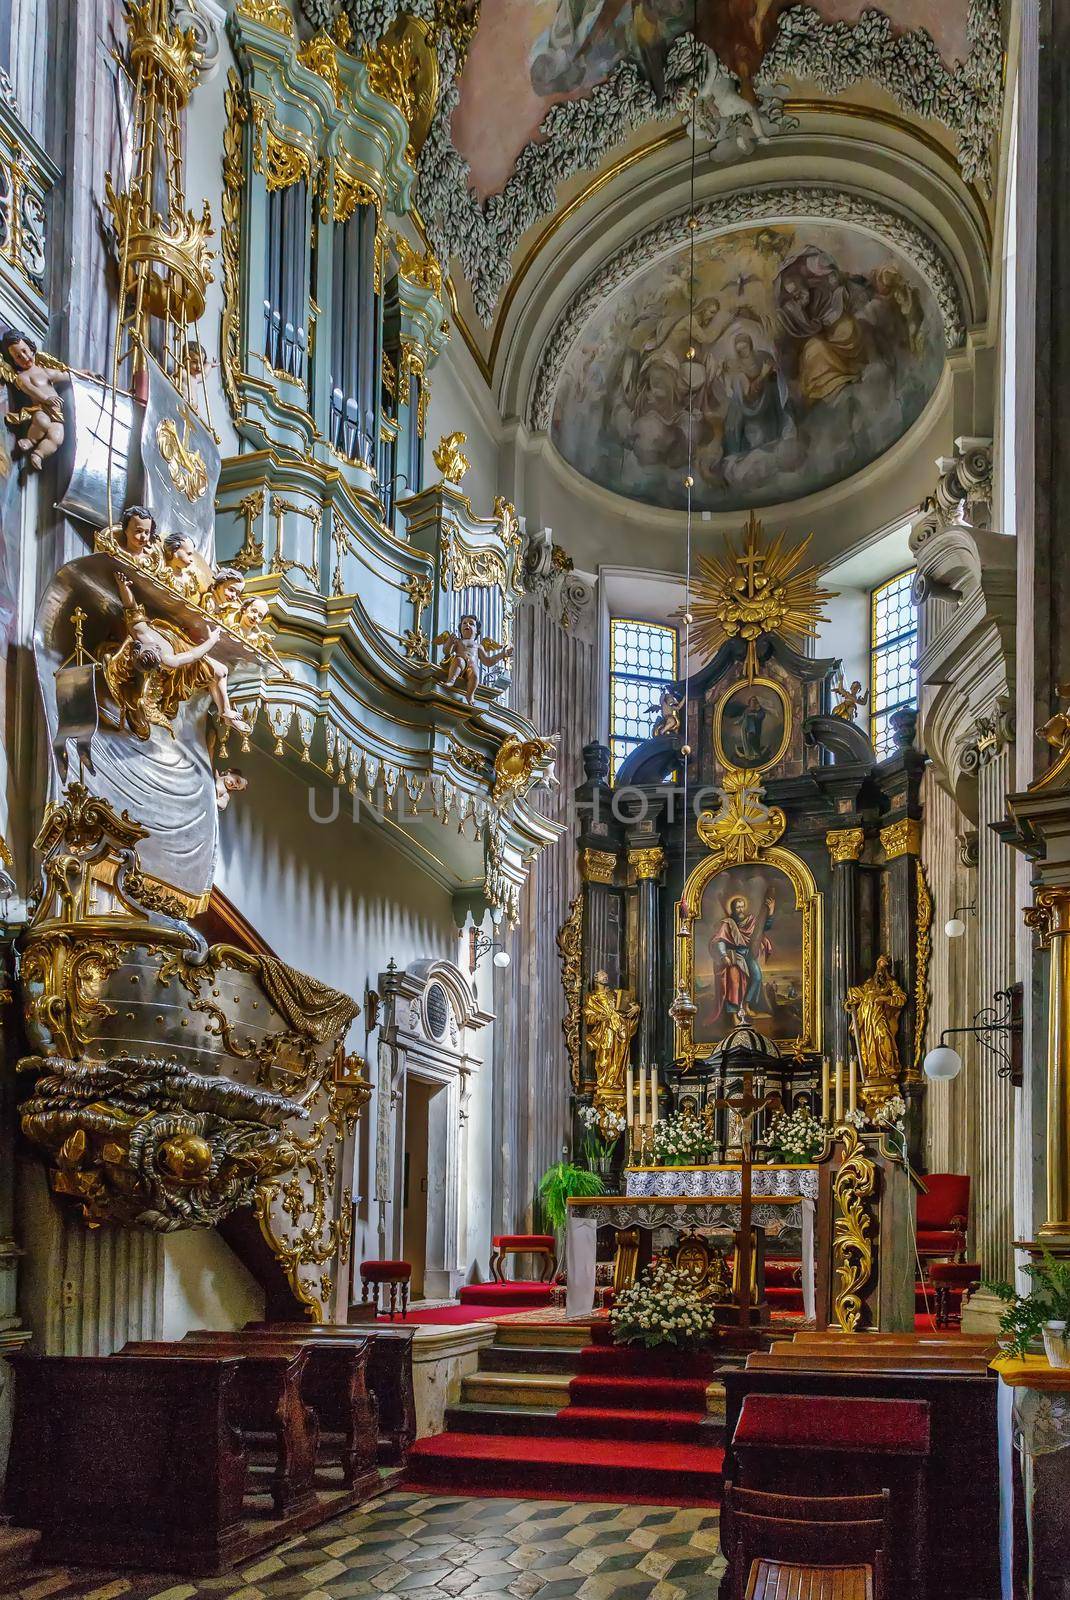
(950, 1280)
(821, 1444)
(518, 1244)
(394, 1273)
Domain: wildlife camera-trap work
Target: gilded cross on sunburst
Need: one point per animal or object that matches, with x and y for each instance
(754, 590)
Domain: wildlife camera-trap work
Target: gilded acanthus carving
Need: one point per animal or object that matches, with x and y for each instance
(901, 838)
(449, 457)
(744, 825)
(520, 763)
(570, 949)
(852, 1239)
(845, 844)
(923, 949)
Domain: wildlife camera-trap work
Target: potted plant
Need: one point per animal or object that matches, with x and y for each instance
(1042, 1313)
(601, 1144)
(561, 1183)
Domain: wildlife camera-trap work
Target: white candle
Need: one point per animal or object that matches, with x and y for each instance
(629, 1090)
(839, 1091)
(852, 1097)
(825, 1090)
(642, 1096)
(654, 1094)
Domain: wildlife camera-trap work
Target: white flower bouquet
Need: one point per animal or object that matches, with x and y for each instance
(602, 1128)
(681, 1140)
(661, 1308)
(795, 1137)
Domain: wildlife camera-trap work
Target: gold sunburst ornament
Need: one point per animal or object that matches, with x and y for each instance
(757, 589)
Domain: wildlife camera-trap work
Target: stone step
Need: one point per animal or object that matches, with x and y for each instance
(528, 1358)
(536, 1389)
(543, 1335)
(530, 1422)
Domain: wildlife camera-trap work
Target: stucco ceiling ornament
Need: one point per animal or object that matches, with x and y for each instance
(576, 135)
(742, 206)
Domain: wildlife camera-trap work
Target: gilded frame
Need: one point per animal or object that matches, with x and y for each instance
(732, 690)
(808, 900)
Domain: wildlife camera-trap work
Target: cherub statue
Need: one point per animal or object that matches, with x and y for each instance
(231, 780)
(669, 705)
(850, 700)
(155, 669)
(33, 377)
(465, 651)
(224, 597)
(252, 614)
(181, 563)
(136, 539)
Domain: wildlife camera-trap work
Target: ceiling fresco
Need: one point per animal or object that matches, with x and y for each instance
(814, 347)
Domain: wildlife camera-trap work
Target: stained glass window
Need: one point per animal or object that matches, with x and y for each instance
(642, 660)
(893, 672)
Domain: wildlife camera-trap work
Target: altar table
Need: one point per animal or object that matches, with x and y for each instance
(784, 1201)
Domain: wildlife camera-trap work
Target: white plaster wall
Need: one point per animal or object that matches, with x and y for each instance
(460, 401)
(205, 1285)
(846, 635)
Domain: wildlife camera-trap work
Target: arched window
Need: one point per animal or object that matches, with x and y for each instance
(642, 660)
(893, 656)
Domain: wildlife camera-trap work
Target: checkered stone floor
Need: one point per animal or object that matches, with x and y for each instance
(424, 1547)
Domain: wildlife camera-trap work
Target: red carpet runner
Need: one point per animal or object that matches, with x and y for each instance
(636, 1428)
(507, 1296)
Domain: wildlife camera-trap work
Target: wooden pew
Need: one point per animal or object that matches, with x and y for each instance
(129, 1463)
(334, 1385)
(389, 1378)
(268, 1409)
(962, 1477)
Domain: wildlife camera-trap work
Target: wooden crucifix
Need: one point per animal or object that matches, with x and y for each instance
(746, 1106)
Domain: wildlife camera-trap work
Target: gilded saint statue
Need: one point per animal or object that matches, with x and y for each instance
(612, 1016)
(874, 1008)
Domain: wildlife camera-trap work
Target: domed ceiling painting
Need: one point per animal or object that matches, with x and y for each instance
(815, 347)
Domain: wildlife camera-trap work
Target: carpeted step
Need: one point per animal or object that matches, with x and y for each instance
(651, 1472)
(633, 1361)
(603, 1422)
(517, 1296)
(639, 1394)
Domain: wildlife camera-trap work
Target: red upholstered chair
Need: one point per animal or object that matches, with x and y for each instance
(395, 1273)
(943, 1212)
(534, 1244)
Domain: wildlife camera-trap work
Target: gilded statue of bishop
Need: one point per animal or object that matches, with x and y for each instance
(874, 1008)
(612, 1016)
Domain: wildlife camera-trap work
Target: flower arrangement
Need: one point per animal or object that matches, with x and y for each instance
(661, 1308)
(795, 1137)
(681, 1140)
(602, 1128)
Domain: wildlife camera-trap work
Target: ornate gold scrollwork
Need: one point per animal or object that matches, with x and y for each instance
(320, 55)
(570, 949)
(423, 270)
(598, 866)
(251, 553)
(283, 163)
(449, 458)
(923, 948)
(237, 110)
(185, 464)
(648, 863)
(269, 13)
(744, 825)
(403, 69)
(852, 1243)
(845, 844)
(901, 838)
(517, 765)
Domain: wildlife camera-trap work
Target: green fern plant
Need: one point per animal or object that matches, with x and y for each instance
(1026, 1314)
(561, 1183)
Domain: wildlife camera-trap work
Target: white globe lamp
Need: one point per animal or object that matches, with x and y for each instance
(954, 927)
(501, 958)
(942, 1064)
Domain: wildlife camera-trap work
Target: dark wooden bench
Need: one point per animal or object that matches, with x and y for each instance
(962, 1473)
(129, 1463)
(334, 1385)
(389, 1378)
(268, 1408)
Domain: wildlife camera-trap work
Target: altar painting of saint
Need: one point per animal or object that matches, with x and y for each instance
(749, 955)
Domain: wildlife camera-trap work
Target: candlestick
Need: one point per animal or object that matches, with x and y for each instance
(642, 1094)
(839, 1091)
(654, 1096)
(852, 1096)
(826, 1088)
(629, 1095)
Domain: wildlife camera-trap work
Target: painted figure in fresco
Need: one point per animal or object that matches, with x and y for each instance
(759, 413)
(155, 669)
(817, 305)
(749, 717)
(738, 949)
(611, 1016)
(33, 380)
(465, 652)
